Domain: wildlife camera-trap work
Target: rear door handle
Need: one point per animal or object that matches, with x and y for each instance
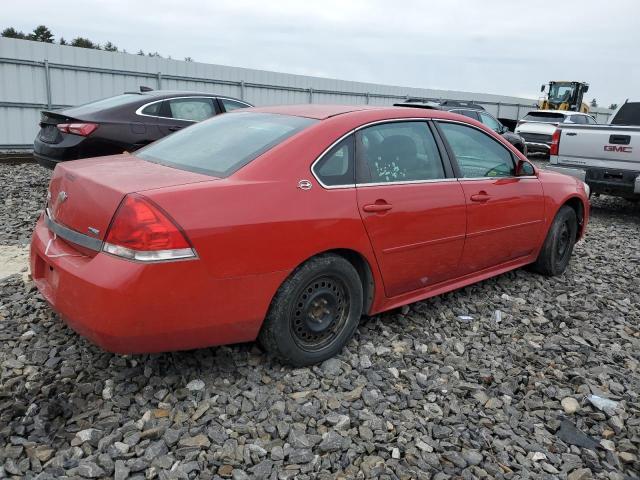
(174, 129)
(481, 197)
(377, 207)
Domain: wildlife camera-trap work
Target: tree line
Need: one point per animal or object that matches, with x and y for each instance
(43, 34)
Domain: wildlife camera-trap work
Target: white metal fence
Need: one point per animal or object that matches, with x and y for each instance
(35, 76)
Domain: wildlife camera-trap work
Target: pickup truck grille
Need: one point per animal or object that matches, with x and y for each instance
(535, 137)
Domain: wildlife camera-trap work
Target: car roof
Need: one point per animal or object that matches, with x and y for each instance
(174, 93)
(358, 113)
(314, 110)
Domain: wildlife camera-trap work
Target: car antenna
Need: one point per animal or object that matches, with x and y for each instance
(144, 88)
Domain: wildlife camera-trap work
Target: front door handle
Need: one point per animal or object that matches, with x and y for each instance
(377, 207)
(174, 129)
(481, 197)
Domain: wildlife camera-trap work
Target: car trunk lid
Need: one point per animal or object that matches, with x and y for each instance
(83, 195)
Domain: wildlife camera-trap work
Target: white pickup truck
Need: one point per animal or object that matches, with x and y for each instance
(605, 157)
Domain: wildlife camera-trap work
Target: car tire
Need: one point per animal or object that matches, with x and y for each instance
(314, 312)
(558, 246)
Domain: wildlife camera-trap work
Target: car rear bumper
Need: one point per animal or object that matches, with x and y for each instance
(536, 147)
(131, 307)
(622, 183)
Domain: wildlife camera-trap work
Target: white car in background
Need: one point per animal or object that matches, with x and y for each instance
(537, 127)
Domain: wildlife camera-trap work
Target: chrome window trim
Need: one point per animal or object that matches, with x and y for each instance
(481, 130)
(361, 127)
(139, 110)
(407, 182)
(235, 100)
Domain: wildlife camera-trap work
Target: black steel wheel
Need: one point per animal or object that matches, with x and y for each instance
(315, 312)
(558, 246)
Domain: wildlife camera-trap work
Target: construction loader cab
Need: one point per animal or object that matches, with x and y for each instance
(565, 96)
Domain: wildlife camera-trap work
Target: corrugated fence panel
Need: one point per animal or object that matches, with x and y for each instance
(34, 75)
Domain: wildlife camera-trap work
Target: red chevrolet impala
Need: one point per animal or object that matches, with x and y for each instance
(286, 224)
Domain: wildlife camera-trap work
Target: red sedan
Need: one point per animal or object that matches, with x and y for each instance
(286, 224)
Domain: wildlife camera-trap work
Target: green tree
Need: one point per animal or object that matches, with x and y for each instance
(110, 47)
(84, 43)
(613, 106)
(594, 103)
(63, 41)
(13, 33)
(41, 34)
(188, 59)
(140, 52)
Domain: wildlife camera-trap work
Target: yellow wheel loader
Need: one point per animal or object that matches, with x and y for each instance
(564, 96)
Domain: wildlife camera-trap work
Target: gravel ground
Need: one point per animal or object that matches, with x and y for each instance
(497, 380)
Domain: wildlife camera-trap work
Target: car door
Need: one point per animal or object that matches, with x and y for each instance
(505, 212)
(412, 207)
(181, 112)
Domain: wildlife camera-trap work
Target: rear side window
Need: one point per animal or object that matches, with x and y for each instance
(336, 167)
(225, 143)
(548, 117)
(398, 152)
(629, 114)
(230, 105)
(478, 155)
(152, 109)
(580, 119)
(193, 109)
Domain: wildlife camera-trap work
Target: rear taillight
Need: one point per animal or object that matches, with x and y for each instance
(82, 129)
(555, 142)
(141, 231)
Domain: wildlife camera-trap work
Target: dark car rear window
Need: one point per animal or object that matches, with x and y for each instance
(223, 144)
(629, 114)
(544, 117)
(111, 102)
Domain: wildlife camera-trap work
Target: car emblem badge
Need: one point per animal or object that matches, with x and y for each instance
(304, 185)
(62, 196)
(94, 231)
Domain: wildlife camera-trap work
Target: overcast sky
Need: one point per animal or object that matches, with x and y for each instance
(491, 46)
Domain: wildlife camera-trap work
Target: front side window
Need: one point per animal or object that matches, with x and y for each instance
(230, 105)
(225, 143)
(579, 119)
(491, 122)
(591, 120)
(193, 109)
(398, 152)
(478, 154)
(337, 166)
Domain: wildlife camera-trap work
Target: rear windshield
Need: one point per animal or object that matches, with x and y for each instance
(223, 144)
(629, 114)
(103, 104)
(544, 117)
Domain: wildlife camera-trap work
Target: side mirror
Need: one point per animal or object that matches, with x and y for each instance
(586, 88)
(542, 88)
(504, 129)
(525, 169)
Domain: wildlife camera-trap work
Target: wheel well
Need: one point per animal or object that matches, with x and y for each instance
(576, 204)
(364, 272)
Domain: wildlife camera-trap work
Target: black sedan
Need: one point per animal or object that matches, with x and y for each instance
(122, 123)
(475, 111)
